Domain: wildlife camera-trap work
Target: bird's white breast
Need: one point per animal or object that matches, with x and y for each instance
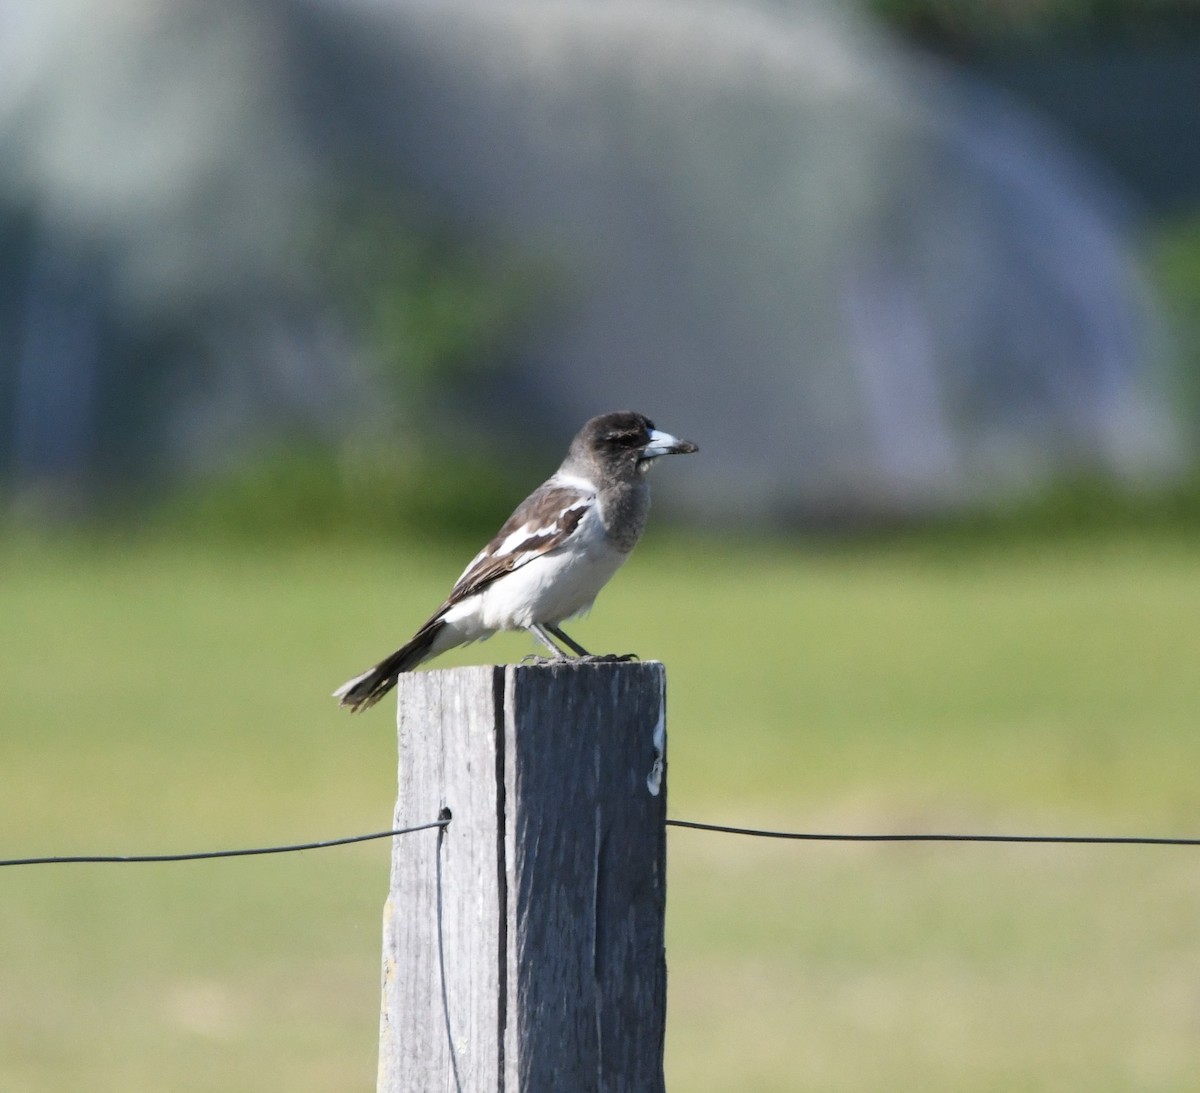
(547, 589)
(555, 586)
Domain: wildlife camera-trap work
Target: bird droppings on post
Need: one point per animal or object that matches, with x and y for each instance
(654, 778)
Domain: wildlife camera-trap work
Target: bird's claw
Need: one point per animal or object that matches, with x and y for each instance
(537, 658)
(591, 658)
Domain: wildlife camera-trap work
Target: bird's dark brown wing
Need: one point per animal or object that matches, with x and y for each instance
(545, 520)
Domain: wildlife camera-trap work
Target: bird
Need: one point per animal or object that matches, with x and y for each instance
(550, 558)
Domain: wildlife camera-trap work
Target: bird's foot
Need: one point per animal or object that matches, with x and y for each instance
(591, 658)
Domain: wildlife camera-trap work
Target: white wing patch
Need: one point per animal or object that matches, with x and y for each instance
(543, 532)
(537, 540)
(517, 541)
(546, 564)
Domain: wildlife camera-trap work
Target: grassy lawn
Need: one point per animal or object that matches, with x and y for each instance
(173, 696)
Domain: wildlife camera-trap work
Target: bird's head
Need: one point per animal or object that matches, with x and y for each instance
(626, 443)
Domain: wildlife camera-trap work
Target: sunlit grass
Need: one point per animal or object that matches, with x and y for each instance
(174, 695)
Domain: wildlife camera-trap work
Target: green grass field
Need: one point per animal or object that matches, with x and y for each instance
(163, 696)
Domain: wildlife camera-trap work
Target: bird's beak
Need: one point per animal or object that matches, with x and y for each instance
(665, 444)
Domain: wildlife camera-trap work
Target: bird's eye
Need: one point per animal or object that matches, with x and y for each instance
(627, 440)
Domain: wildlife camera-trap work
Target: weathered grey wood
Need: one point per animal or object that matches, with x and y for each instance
(523, 948)
(442, 900)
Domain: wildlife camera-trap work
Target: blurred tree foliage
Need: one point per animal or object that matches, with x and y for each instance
(435, 321)
(301, 490)
(438, 313)
(974, 26)
(430, 307)
(439, 319)
(1175, 259)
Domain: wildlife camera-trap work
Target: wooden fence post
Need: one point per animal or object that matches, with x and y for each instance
(523, 944)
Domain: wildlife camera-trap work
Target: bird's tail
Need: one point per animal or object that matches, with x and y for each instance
(362, 692)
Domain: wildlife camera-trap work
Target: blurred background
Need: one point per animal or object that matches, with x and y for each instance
(299, 297)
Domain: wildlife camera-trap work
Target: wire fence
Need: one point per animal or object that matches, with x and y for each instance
(197, 855)
(443, 821)
(811, 836)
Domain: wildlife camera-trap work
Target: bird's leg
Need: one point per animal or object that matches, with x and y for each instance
(579, 650)
(574, 646)
(539, 631)
(543, 631)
